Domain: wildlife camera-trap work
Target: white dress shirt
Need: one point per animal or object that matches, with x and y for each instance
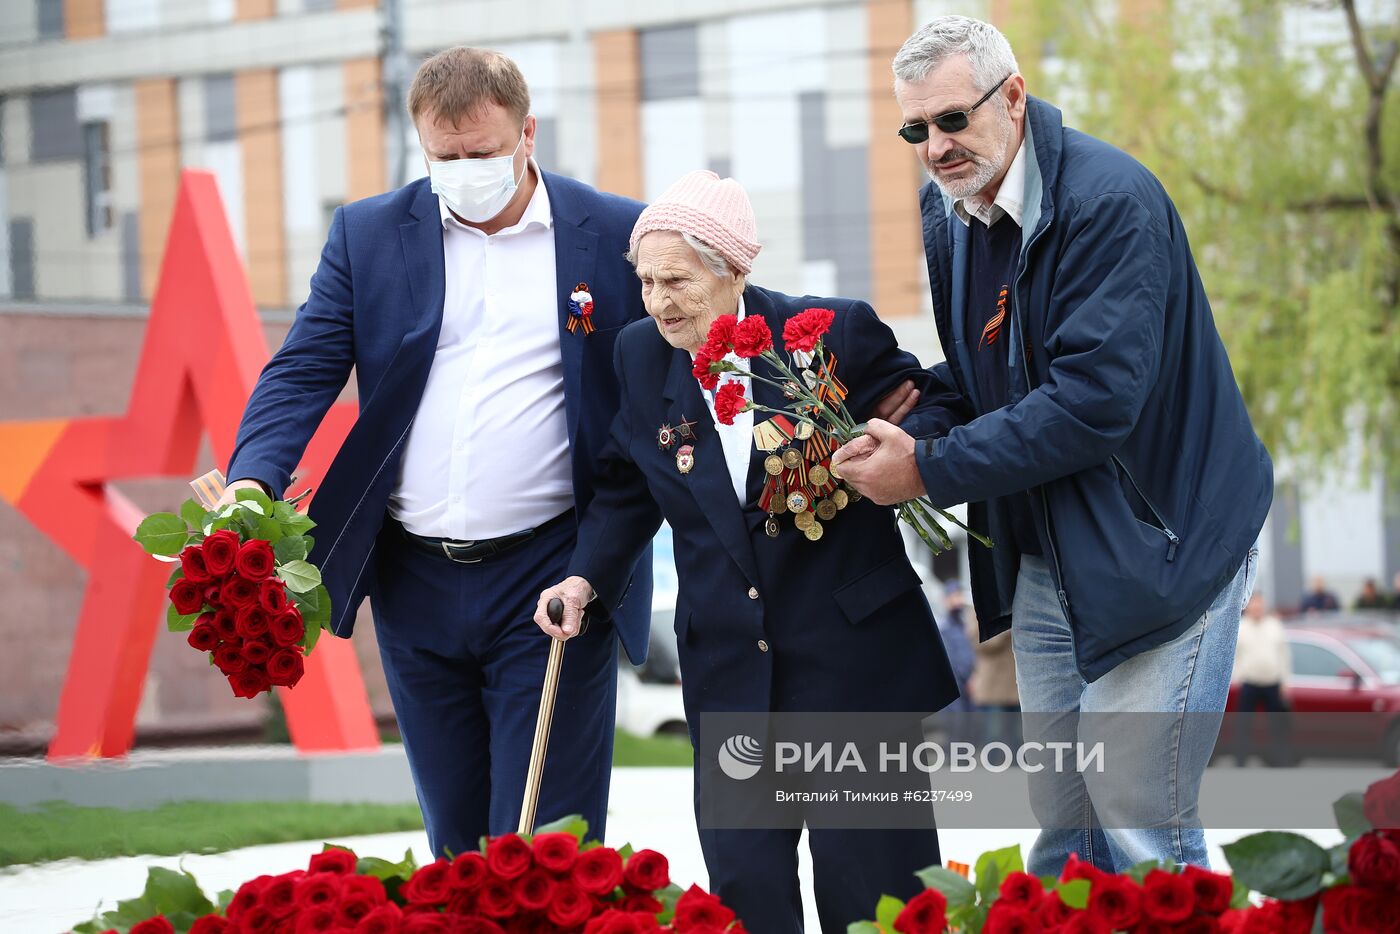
(736, 439)
(488, 453)
(1009, 197)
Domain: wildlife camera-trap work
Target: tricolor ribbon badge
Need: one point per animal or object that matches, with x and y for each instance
(581, 308)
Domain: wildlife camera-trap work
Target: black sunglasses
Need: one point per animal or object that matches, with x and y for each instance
(954, 121)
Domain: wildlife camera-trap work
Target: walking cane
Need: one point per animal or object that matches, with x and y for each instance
(555, 609)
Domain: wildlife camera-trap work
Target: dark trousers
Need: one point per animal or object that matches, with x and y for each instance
(1269, 698)
(465, 665)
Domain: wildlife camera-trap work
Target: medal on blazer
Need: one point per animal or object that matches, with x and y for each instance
(666, 437)
(581, 309)
(685, 458)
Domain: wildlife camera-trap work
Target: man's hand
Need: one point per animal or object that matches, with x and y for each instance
(880, 464)
(575, 592)
(899, 403)
(232, 489)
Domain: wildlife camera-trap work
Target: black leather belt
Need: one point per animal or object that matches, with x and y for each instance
(478, 551)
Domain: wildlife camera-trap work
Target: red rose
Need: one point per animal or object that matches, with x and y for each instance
(226, 626)
(272, 596)
(1021, 888)
(640, 901)
(509, 856)
(203, 637)
(287, 627)
(220, 549)
(192, 563)
(1010, 919)
(255, 652)
(555, 851)
(697, 907)
(1381, 803)
(427, 922)
(497, 898)
(752, 337)
(1298, 917)
(1081, 922)
(1117, 900)
(1374, 861)
(803, 331)
(258, 920)
(1051, 911)
(429, 885)
(249, 682)
(468, 872)
(1167, 896)
(318, 888)
(1352, 909)
(279, 896)
(334, 860)
(1213, 890)
(1076, 868)
(211, 924)
(157, 925)
(571, 905)
(729, 402)
(238, 593)
(187, 596)
(252, 621)
(229, 660)
(285, 668)
(383, 920)
(353, 909)
(475, 926)
(926, 913)
(255, 560)
(534, 890)
(701, 368)
(646, 871)
(598, 871)
(613, 921)
(363, 887)
(246, 897)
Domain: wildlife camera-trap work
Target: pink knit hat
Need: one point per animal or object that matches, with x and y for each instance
(716, 211)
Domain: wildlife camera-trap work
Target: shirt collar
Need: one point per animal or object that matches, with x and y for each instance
(537, 211)
(1008, 199)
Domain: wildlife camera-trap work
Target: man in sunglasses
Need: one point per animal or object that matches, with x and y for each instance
(1091, 420)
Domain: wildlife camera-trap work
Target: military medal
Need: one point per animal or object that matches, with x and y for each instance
(791, 459)
(826, 510)
(840, 499)
(666, 438)
(770, 527)
(819, 475)
(581, 309)
(686, 429)
(804, 520)
(813, 531)
(773, 465)
(685, 458)
(797, 501)
(804, 430)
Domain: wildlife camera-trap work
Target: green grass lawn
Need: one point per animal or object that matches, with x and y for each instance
(58, 831)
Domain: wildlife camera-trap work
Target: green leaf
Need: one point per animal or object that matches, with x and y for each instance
(573, 824)
(310, 543)
(175, 622)
(668, 898)
(293, 522)
(283, 511)
(1351, 818)
(626, 852)
(175, 575)
(162, 533)
(1278, 864)
(887, 910)
(89, 927)
(172, 892)
(193, 513)
(263, 501)
(863, 927)
(290, 548)
(300, 576)
(958, 891)
(994, 866)
(1340, 855)
(225, 899)
(1239, 897)
(1074, 893)
(269, 530)
(1139, 872)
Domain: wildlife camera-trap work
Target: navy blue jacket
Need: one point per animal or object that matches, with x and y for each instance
(1148, 483)
(376, 305)
(844, 618)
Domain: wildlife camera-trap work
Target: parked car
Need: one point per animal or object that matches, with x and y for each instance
(1340, 665)
(649, 696)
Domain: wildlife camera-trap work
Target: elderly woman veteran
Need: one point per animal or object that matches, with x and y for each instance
(763, 624)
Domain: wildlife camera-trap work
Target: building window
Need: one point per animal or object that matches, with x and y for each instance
(97, 174)
(50, 19)
(53, 125)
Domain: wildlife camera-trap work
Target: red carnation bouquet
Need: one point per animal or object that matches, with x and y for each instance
(805, 483)
(243, 588)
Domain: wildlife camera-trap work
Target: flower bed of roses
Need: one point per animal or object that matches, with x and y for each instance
(1353, 888)
(550, 882)
(242, 588)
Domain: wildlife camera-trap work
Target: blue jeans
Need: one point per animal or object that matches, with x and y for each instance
(1144, 805)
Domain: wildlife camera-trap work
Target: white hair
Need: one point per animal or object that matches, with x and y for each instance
(714, 261)
(939, 39)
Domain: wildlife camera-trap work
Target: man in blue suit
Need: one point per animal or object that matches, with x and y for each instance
(825, 615)
(478, 310)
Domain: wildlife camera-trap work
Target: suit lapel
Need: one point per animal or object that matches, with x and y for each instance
(575, 261)
(427, 285)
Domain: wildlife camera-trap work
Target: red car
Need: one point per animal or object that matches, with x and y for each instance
(1341, 664)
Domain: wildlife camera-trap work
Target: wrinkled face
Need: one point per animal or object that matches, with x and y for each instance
(681, 294)
(963, 163)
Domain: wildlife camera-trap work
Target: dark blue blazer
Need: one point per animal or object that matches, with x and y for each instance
(844, 618)
(376, 306)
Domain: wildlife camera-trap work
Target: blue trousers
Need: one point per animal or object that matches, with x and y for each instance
(465, 665)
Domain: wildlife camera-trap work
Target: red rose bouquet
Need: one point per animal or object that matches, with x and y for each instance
(801, 480)
(242, 587)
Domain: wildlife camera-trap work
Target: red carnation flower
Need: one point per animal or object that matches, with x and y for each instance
(238, 593)
(252, 621)
(497, 898)
(255, 560)
(926, 913)
(722, 333)
(1021, 888)
(285, 668)
(1117, 900)
(509, 856)
(192, 563)
(1381, 803)
(534, 890)
(212, 924)
(1167, 896)
(752, 337)
(555, 851)
(468, 872)
(1374, 861)
(701, 368)
(335, 860)
(647, 871)
(249, 682)
(598, 871)
(383, 920)
(698, 907)
(287, 627)
(429, 885)
(220, 550)
(571, 905)
(729, 402)
(803, 331)
(272, 596)
(1213, 890)
(157, 925)
(255, 652)
(1005, 918)
(187, 596)
(203, 637)
(229, 660)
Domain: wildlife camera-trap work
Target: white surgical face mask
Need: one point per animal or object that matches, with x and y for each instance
(476, 189)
